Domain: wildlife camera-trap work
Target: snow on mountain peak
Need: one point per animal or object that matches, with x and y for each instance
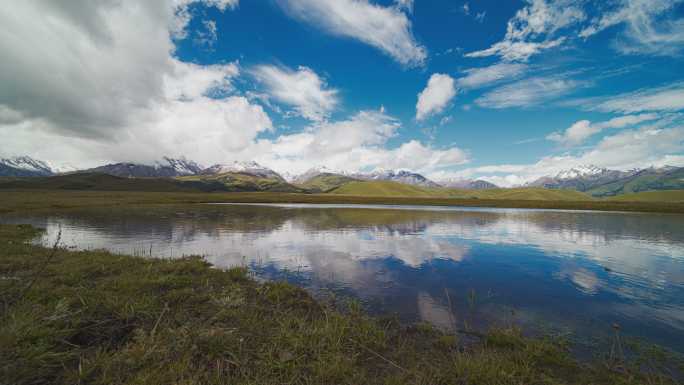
(182, 166)
(26, 163)
(312, 173)
(250, 167)
(236, 166)
(580, 171)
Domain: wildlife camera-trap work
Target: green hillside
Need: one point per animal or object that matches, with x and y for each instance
(388, 189)
(651, 196)
(540, 194)
(643, 181)
(234, 181)
(394, 189)
(326, 182)
(105, 182)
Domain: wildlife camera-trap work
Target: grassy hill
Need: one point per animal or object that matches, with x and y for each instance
(647, 180)
(389, 189)
(651, 196)
(235, 181)
(353, 191)
(394, 189)
(105, 182)
(538, 194)
(326, 182)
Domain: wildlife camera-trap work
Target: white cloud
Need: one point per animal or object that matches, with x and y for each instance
(668, 98)
(184, 122)
(583, 129)
(355, 144)
(658, 144)
(209, 35)
(436, 95)
(529, 92)
(516, 50)
(110, 95)
(222, 4)
(484, 76)
(189, 81)
(102, 76)
(649, 27)
(302, 89)
(531, 30)
(182, 16)
(385, 28)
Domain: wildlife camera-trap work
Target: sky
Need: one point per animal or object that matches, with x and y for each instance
(505, 91)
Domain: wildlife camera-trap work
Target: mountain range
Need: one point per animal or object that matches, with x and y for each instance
(602, 182)
(251, 176)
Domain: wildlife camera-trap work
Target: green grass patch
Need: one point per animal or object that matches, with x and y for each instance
(394, 190)
(326, 182)
(97, 318)
(235, 181)
(39, 199)
(675, 196)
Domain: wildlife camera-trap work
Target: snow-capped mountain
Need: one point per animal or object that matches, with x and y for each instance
(605, 182)
(314, 172)
(581, 171)
(165, 168)
(24, 166)
(468, 184)
(181, 166)
(251, 168)
(401, 176)
(580, 178)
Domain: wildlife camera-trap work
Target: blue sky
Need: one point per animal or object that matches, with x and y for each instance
(505, 91)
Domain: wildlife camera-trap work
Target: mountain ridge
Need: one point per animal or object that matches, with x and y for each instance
(250, 175)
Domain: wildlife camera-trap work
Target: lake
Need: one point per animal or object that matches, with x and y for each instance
(561, 271)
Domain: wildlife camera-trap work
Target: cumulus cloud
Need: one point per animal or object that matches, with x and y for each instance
(111, 96)
(529, 92)
(108, 94)
(354, 144)
(99, 68)
(436, 95)
(485, 76)
(532, 28)
(385, 28)
(583, 129)
(302, 89)
(658, 144)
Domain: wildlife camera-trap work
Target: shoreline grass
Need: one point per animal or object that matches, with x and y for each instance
(93, 317)
(28, 200)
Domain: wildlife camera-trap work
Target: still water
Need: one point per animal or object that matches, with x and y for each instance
(568, 272)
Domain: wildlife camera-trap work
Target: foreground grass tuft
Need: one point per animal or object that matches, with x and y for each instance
(98, 318)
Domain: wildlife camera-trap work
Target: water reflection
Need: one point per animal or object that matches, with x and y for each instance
(578, 271)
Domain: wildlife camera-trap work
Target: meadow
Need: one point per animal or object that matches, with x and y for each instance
(48, 199)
